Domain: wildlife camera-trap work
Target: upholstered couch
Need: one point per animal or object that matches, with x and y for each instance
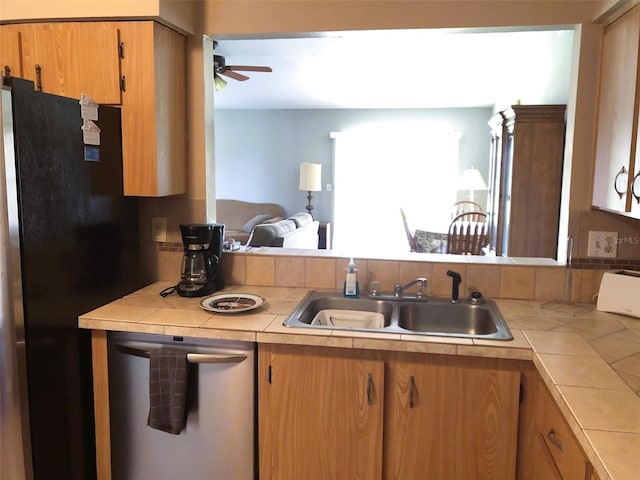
(265, 225)
(297, 231)
(239, 218)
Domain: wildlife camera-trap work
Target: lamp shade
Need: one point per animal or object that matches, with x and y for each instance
(471, 180)
(218, 82)
(310, 177)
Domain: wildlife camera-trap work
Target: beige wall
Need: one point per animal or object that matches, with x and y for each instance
(179, 14)
(232, 17)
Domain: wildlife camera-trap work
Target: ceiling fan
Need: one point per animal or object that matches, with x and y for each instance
(220, 67)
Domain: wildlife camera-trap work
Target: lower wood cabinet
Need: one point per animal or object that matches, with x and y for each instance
(333, 413)
(558, 454)
(544, 467)
(320, 416)
(449, 417)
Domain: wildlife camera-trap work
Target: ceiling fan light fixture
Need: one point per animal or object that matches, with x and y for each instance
(219, 82)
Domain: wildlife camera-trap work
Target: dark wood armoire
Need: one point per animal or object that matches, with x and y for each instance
(525, 179)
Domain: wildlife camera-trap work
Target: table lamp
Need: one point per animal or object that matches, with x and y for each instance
(310, 180)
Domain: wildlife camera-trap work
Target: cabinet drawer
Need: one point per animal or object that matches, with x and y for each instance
(558, 438)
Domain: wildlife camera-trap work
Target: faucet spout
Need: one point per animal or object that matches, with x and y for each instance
(398, 290)
(456, 280)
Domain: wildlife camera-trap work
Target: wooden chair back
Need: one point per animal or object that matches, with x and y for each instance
(464, 206)
(468, 234)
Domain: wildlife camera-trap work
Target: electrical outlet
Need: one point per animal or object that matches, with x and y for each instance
(603, 244)
(158, 229)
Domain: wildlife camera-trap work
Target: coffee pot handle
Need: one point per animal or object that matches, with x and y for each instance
(215, 261)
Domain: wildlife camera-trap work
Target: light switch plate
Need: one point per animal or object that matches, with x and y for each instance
(603, 244)
(159, 229)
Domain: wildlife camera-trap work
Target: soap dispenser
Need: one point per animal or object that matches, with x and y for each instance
(351, 287)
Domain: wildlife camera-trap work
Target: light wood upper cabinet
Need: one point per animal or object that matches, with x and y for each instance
(10, 50)
(320, 414)
(66, 59)
(446, 417)
(140, 65)
(617, 129)
(154, 126)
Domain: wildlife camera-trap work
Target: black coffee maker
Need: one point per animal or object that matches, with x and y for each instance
(201, 272)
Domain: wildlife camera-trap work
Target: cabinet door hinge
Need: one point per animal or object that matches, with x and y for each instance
(121, 50)
(270, 374)
(123, 83)
(521, 392)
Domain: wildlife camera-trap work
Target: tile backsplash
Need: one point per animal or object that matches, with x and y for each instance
(321, 269)
(544, 283)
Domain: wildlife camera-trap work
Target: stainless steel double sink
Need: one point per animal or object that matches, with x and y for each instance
(469, 318)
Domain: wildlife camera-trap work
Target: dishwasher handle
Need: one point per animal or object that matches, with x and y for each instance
(191, 357)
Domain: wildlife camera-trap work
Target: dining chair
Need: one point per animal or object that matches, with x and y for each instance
(413, 245)
(468, 234)
(464, 206)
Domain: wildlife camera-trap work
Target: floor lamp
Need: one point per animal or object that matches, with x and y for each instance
(310, 181)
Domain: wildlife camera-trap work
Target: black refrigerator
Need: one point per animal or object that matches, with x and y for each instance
(70, 243)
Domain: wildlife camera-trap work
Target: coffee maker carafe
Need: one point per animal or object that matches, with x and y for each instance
(201, 273)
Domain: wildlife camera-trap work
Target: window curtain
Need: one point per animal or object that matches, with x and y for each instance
(379, 169)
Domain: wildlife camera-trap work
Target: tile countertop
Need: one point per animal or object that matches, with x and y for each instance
(590, 361)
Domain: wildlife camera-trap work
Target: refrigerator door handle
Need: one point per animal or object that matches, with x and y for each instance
(191, 357)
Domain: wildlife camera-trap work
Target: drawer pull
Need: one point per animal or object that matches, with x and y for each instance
(633, 187)
(38, 78)
(552, 438)
(369, 389)
(620, 192)
(412, 386)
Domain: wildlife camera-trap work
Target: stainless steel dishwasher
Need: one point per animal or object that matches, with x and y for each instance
(219, 438)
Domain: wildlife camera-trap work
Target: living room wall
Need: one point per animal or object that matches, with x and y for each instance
(258, 152)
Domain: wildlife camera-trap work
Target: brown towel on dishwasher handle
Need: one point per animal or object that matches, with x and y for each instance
(167, 390)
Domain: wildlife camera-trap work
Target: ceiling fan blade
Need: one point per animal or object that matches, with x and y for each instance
(231, 74)
(249, 68)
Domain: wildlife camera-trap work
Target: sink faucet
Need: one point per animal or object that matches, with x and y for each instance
(398, 290)
(456, 280)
